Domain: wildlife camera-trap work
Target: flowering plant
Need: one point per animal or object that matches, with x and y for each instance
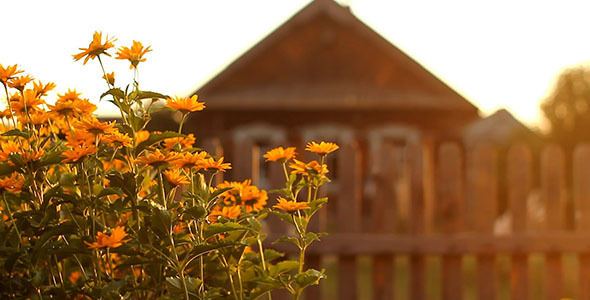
(98, 210)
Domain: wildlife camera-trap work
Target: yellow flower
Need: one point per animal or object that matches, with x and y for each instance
(134, 54)
(96, 48)
(211, 164)
(185, 104)
(8, 72)
(308, 169)
(110, 78)
(322, 148)
(114, 240)
(279, 154)
(78, 152)
(290, 206)
(176, 178)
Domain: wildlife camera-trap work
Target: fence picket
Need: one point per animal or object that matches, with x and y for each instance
(519, 186)
(384, 215)
(450, 208)
(348, 214)
(581, 194)
(485, 197)
(417, 219)
(553, 193)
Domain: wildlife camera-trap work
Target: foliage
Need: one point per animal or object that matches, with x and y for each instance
(98, 210)
(568, 107)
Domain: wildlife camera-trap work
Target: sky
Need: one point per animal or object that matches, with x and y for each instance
(497, 54)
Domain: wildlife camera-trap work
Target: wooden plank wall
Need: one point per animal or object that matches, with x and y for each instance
(467, 210)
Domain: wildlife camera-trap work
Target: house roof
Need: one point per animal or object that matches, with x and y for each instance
(498, 128)
(324, 58)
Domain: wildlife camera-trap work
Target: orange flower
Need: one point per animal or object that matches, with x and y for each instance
(156, 158)
(113, 241)
(31, 102)
(290, 206)
(110, 78)
(134, 54)
(78, 152)
(189, 160)
(322, 148)
(253, 198)
(19, 82)
(142, 135)
(116, 139)
(230, 212)
(279, 154)
(211, 164)
(74, 276)
(79, 137)
(96, 127)
(308, 169)
(179, 228)
(8, 72)
(185, 105)
(176, 178)
(96, 48)
(185, 142)
(41, 90)
(13, 184)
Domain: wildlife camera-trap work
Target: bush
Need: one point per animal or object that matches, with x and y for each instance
(98, 210)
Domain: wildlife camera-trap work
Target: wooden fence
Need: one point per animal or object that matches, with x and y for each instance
(457, 202)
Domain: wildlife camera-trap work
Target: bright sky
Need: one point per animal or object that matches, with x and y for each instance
(496, 53)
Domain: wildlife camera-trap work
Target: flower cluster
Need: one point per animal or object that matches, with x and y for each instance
(93, 209)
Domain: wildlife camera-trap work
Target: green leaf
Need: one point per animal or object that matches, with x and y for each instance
(116, 93)
(50, 158)
(150, 95)
(316, 204)
(154, 138)
(310, 237)
(288, 239)
(6, 169)
(217, 228)
(284, 216)
(218, 192)
(309, 277)
(194, 213)
(161, 220)
(110, 191)
(282, 267)
(271, 254)
(17, 132)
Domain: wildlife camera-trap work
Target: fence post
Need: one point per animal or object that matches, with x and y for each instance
(450, 210)
(519, 186)
(485, 197)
